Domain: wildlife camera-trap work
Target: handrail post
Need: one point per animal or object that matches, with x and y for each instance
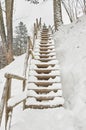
(24, 84)
(8, 95)
(37, 24)
(40, 23)
(35, 30)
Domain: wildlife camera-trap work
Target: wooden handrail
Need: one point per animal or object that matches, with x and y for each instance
(28, 52)
(7, 94)
(9, 76)
(7, 88)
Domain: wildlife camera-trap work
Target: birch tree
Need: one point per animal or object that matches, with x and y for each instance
(9, 23)
(7, 38)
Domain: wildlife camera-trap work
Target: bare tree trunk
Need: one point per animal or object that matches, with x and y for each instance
(3, 34)
(57, 13)
(2, 27)
(67, 10)
(9, 18)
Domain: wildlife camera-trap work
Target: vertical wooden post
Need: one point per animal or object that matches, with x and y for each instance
(37, 24)
(40, 23)
(30, 43)
(24, 84)
(35, 31)
(26, 58)
(8, 95)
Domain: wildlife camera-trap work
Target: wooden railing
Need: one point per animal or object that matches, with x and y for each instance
(53, 29)
(6, 95)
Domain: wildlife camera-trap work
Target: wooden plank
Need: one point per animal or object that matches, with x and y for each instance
(43, 106)
(7, 75)
(43, 90)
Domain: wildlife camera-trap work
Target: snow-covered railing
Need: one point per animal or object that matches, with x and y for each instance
(28, 52)
(30, 44)
(7, 95)
(53, 29)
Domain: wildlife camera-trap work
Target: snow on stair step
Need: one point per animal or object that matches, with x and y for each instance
(46, 51)
(50, 80)
(46, 63)
(53, 86)
(44, 46)
(57, 101)
(44, 72)
(43, 57)
(50, 94)
(50, 54)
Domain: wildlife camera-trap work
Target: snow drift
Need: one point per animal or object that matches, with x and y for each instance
(71, 51)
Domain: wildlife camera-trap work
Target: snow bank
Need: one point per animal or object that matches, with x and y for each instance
(16, 67)
(71, 51)
(44, 120)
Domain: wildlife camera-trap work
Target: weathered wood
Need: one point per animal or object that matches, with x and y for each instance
(3, 101)
(30, 43)
(40, 23)
(26, 59)
(9, 76)
(8, 95)
(43, 106)
(35, 31)
(28, 52)
(31, 52)
(37, 24)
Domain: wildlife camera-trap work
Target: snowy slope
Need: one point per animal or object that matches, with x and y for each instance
(71, 52)
(16, 67)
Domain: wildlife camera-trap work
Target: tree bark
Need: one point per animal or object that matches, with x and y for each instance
(9, 21)
(2, 27)
(57, 13)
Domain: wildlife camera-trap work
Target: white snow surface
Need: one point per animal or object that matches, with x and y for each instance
(70, 43)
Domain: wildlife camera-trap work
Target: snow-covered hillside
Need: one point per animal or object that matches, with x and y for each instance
(71, 52)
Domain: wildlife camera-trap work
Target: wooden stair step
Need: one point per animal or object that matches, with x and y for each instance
(46, 95)
(46, 52)
(44, 90)
(41, 98)
(42, 106)
(46, 60)
(45, 77)
(45, 49)
(55, 102)
(42, 83)
(50, 54)
(44, 72)
(44, 56)
(47, 56)
(46, 45)
(51, 47)
(44, 65)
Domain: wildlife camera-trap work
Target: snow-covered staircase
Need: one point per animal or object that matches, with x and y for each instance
(44, 81)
